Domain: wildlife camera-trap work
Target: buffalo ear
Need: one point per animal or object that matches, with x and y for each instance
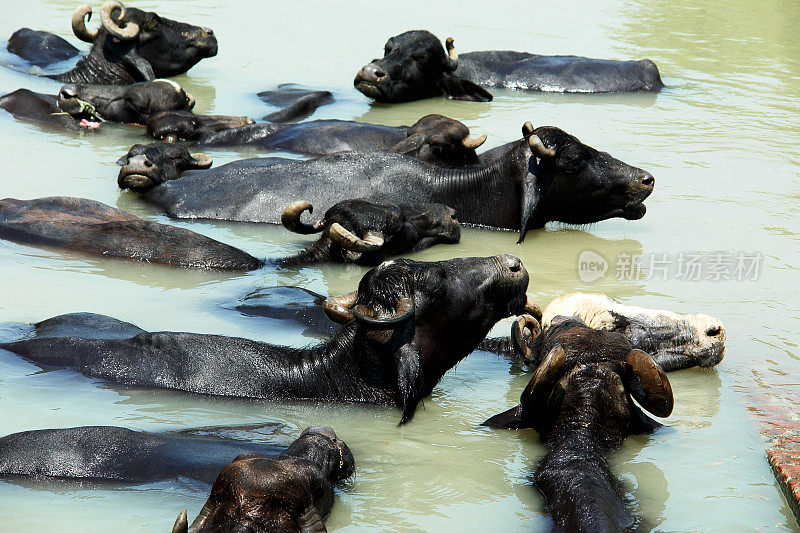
(461, 89)
(511, 419)
(407, 361)
(311, 522)
(648, 383)
(531, 196)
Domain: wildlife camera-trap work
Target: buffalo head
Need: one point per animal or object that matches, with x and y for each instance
(148, 165)
(124, 103)
(568, 181)
(171, 126)
(364, 232)
(415, 66)
(441, 140)
(429, 316)
(288, 492)
(675, 341)
(157, 45)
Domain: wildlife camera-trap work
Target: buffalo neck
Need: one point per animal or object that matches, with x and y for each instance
(96, 69)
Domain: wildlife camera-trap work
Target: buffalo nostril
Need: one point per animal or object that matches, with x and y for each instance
(147, 163)
(648, 180)
(513, 263)
(208, 31)
(380, 74)
(68, 91)
(713, 331)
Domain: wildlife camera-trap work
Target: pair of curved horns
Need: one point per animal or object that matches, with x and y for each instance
(470, 144)
(521, 342)
(114, 27)
(343, 309)
(536, 144)
(290, 218)
(452, 55)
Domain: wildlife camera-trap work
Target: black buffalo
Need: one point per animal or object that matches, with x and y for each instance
(130, 46)
(548, 175)
(295, 101)
(287, 303)
(406, 325)
(291, 492)
(86, 106)
(579, 401)
(362, 232)
(415, 66)
(433, 138)
(108, 453)
(93, 227)
(40, 48)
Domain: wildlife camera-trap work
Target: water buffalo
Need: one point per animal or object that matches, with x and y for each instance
(415, 66)
(579, 400)
(40, 48)
(406, 325)
(290, 492)
(130, 46)
(295, 102)
(674, 341)
(119, 454)
(86, 106)
(287, 303)
(92, 227)
(363, 232)
(548, 175)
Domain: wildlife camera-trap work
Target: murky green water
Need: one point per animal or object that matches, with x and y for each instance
(721, 140)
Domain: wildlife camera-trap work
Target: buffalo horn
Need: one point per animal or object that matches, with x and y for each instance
(470, 144)
(340, 308)
(532, 308)
(648, 383)
(373, 240)
(311, 522)
(546, 373)
(201, 161)
(403, 312)
(521, 344)
(181, 523)
(538, 147)
(201, 519)
(290, 218)
(452, 55)
(81, 14)
(124, 33)
(527, 129)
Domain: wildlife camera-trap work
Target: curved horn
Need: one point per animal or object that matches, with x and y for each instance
(340, 308)
(81, 14)
(290, 218)
(201, 161)
(532, 308)
(452, 55)
(522, 344)
(113, 27)
(403, 312)
(527, 129)
(548, 371)
(648, 383)
(470, 144)
(201, 519)
(181, 523)
(372, 241)
(539, 148)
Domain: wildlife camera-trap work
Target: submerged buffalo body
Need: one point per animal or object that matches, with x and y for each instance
(408, 323)
(295, 102)
(579, 400)
(92, 227)
(40, 48)
(122, 455)
(415, 66)
(549, 175)
(130, 46)
(434, 138)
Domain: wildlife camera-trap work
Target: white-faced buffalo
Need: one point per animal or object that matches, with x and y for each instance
(407, 324)
(130, 46)
(548, 175)
(86, 106)
(290, 492)
(415, 66)
(92, 227)
(362, 232)
(433, 138)
(579, 400)
(108, 453)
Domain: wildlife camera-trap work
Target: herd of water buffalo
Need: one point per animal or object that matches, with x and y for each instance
(381, 191)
